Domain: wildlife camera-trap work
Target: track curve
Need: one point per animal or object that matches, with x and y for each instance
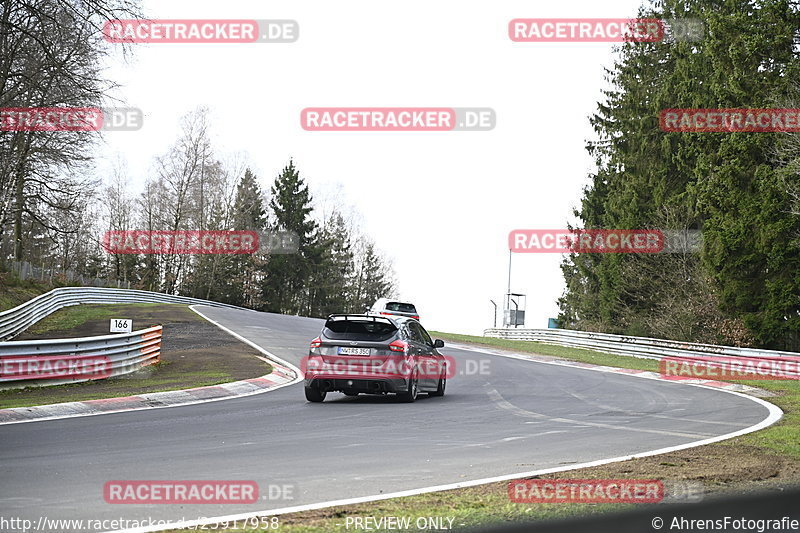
(516, 416)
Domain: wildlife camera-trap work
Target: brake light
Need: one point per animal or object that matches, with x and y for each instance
(387, 314)
(415, 317)
(316, 343)
(398, 346)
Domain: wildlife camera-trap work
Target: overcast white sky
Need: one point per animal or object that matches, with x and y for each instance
(440, 204)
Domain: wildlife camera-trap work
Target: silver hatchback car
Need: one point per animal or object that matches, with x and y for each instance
(385, 306)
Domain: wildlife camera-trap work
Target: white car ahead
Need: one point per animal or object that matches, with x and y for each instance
(385, 306)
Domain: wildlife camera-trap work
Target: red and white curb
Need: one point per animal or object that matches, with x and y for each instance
(283, 374)
(734, 387)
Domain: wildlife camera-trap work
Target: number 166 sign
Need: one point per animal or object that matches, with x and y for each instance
(121, 325)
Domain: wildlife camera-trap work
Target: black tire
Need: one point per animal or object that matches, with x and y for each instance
(440, 387)
(350, 393)
(411, 394)
(313, 394)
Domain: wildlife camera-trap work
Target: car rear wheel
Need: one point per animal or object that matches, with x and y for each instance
(440, 387)
(411, 394)
(313, 394)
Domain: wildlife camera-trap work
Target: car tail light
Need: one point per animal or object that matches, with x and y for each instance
(398, 346)
(415, 317)
(387, 314)
(316, 343)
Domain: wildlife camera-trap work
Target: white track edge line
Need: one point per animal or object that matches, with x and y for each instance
(275, 358)
(775, 414)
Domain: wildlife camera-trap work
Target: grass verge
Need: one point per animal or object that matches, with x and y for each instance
(72, 318)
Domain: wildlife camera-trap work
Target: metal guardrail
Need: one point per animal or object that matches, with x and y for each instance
(642, 347)
(16, 320)
(59, 361)
(23, 363)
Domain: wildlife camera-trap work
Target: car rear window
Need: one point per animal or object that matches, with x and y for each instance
(401, 307)
(359, 329)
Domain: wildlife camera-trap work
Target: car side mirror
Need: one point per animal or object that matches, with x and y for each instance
(438, 343)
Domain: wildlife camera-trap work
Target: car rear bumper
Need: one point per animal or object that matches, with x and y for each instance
(373, 385)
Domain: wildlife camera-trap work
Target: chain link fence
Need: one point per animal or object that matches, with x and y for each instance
(25, 270)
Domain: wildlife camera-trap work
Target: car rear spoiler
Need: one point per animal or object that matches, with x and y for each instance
(374, 318)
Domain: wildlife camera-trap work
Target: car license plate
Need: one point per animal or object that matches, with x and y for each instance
(353, 351)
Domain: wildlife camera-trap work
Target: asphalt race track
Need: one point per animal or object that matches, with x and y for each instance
(515, 416)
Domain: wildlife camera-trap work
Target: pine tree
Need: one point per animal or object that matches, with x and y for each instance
(722, 183)
(373, 278)
(287, 276)
(249, 214)
(333, 276)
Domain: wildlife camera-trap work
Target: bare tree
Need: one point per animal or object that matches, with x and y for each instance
(50, 53)
(181, 172)
(119, 205)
